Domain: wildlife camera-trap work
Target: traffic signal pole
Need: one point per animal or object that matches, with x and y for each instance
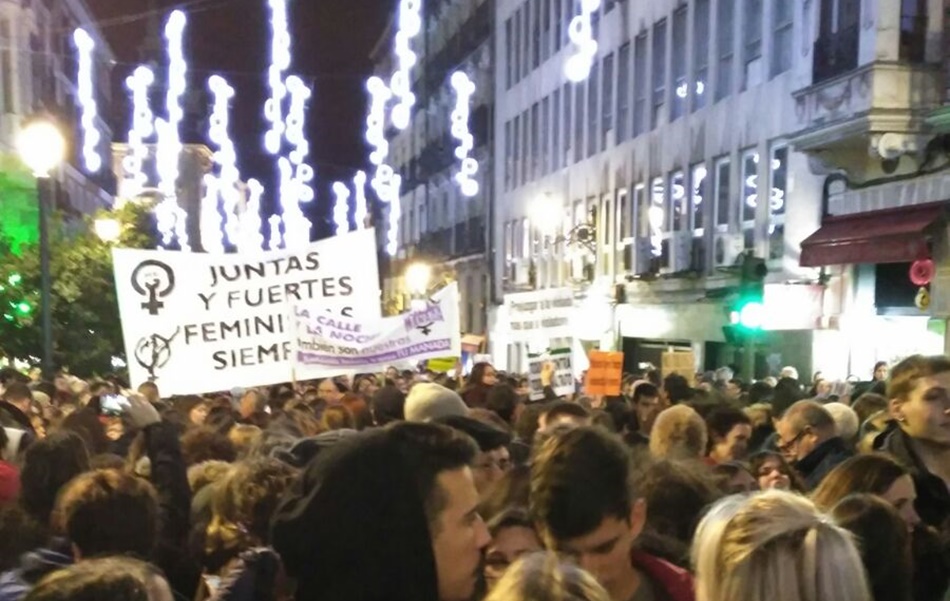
(43, 188)
(748, 359)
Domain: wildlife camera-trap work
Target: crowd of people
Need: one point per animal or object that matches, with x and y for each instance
(417, 486)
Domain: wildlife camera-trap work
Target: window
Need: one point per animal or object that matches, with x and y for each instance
(778, 178)
(545, 128)
(697, 207)
(913, 40)
(680, 84)
(509, 58)
(623, 93)
(517, 152)
(509, 155)
(536, 34)
(546, 37)
(517, 45)
(578, 123)
(659, 224)
(6, 65)
(750, 194)
(560, 31)
(659, 72)
(723, 205)
(836, 49)
(563, 160)
(525, 239)
(624, 233)
(526, 146)
(701, 53)
(556, 152)
(725, 30)
(526, 46)
(593, 132)
(607, 236)
(781, 36)
(679, 199)
(641, 84)
(535, 142)
(607, 98)
(752, 44)
(641, 206)
(595, 24)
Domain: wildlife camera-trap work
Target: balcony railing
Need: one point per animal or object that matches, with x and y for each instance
(835, 54)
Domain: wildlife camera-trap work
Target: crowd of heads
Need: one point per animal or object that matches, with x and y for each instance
(411, 484)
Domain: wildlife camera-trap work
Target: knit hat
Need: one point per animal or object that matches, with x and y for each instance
(429, 402)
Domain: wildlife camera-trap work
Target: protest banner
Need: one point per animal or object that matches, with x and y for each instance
(443, 364)
(326, 344)
(605, 374)
(195, 322)
(679, 362)
(562, 380)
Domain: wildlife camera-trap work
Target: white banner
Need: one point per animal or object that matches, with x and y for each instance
(326, 345)
(197, 323)
(563, 379)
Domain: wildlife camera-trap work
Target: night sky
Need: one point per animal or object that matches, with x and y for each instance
(332, 40)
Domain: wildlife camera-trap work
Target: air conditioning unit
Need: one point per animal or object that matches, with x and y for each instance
(644, 256)
(682, 243)
(732, 247)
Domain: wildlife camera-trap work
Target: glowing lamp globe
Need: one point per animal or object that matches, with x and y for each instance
(41, 146)
(417, 278)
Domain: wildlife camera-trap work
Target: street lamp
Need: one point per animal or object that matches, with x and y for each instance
(43, 147)
(109, 230)
(418, 276)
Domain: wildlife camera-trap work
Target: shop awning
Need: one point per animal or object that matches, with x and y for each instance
(889, 236)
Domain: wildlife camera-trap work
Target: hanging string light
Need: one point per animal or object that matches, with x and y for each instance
(169, 150)
(143, 126)
(280, 62)
(581, 33)
(359, 210)
(86, 46)
(251, 239)
(341, 208)
(409, 25)
(228, 178)
(464, 89)
(275, 241)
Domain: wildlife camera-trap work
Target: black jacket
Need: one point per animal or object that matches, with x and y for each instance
(933, 498)
(12, 417)
(823, 458)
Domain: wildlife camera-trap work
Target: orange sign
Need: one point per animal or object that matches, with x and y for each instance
(605, 375)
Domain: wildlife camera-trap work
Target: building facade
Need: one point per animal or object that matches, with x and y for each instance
(630, 198)
(439, 226)
(38, 67)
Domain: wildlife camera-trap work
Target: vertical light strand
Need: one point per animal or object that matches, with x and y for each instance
(280, 62)
(91, 138)
(409, 24)
(581, 33)
(143, 127)
(383, 177)
(228, 178)
(341, 208)
(276, 240)
(251, 239)
(296, 176)
(359, 209)
(468, 166)
(169, 138)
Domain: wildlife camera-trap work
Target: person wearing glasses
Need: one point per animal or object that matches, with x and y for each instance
(808, 439)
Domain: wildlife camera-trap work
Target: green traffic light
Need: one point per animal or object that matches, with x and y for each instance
(24, 308)
(750, 316)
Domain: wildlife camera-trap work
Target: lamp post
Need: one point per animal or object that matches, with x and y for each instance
(418, 276)
(42, 147)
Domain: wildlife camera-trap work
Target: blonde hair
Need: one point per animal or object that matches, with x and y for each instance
(678, 433)
(542, 576)
(775, 546)
(245, 439)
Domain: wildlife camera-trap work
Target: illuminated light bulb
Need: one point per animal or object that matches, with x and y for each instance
(581, 33)
(280, 62)
(211, 240)
(302, 173)
(409, 25)
(341, 208)
(87, 100)
(464, 89)
(359, 211)
(296, 225)
(228, 178)
(143, 127)
(395, 214)
(251, 238)
(169, 138)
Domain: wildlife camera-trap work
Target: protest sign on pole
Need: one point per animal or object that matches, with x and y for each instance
(605, 374)
(562, 380)
(195, 322)
(325, 345)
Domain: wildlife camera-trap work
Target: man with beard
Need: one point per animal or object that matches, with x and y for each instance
(389, 514)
